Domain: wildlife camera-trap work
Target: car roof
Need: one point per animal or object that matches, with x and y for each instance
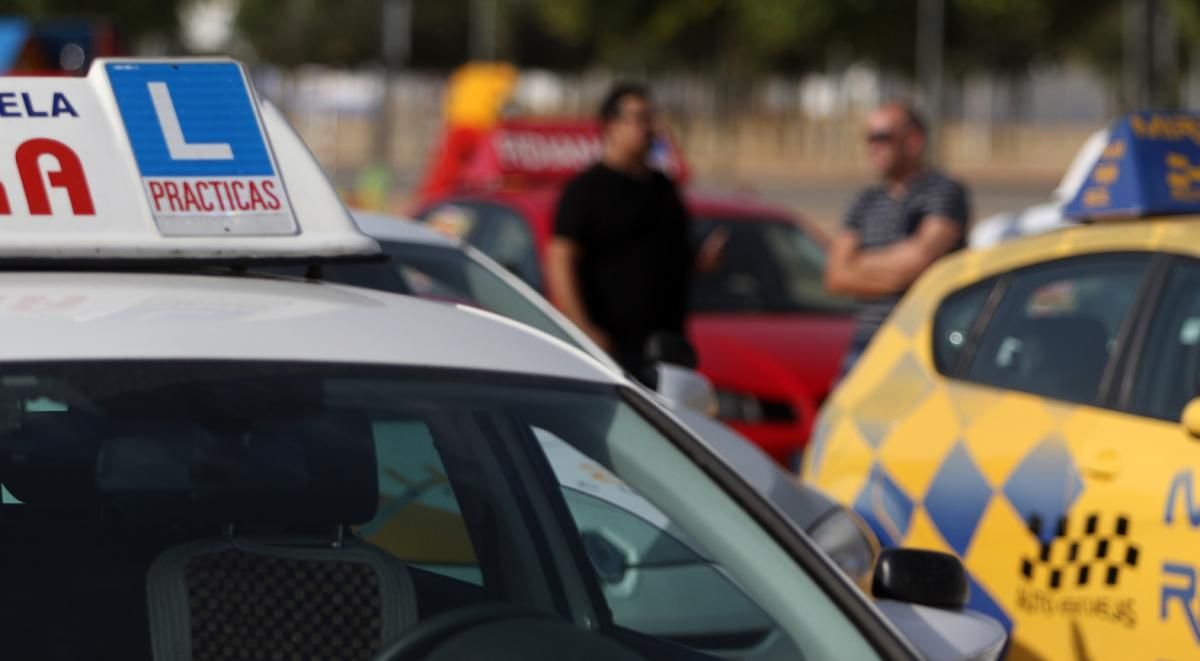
(51, 316)
(735, 205)
(534, 201)
(542, 199)
(399, 229)
(1173, 234)
(537, 204)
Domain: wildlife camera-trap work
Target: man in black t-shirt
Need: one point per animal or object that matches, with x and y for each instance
(621, 259)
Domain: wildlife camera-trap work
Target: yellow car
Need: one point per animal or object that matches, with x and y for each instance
(1033, 408)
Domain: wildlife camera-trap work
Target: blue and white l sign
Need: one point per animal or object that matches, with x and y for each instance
(178, 148)
(199, 144)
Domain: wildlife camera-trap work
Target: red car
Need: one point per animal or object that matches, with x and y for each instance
(767, 334)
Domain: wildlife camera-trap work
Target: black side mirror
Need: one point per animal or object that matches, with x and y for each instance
(928, 578)
(672, 348)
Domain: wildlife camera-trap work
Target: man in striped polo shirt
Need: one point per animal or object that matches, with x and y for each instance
(895, 229)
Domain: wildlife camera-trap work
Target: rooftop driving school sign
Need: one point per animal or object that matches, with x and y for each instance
(154, 160)
(1150, 167)
(200, 148)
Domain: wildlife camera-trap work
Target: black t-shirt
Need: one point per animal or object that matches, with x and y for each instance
(635, 252)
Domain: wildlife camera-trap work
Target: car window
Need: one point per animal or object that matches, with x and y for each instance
(436, 470)
(953, 321)
(656, 579)
(415, 494)
(441, 273)
(450, 273)
(767, 266)
(1057, 325)
(499, 231)
(377, 275)
(1168, 372)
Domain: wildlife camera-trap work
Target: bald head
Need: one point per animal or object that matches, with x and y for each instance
(895, 141)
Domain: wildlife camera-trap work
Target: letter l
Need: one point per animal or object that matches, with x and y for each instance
(178, 146)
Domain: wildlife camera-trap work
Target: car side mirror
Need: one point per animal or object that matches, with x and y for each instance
(927, 578)
(1190, 419)
(685, 387)
(671, 348)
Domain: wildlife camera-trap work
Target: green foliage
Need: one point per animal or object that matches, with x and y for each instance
(291, 32)
(729, 36)
(1187, 16)
(1002, 36)
(687, 33)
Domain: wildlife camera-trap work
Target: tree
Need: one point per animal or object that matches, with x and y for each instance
(995, 35)
(737, 38)
(701, 34)
(291, 32)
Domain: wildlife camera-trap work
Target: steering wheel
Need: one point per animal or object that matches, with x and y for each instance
(415, 643)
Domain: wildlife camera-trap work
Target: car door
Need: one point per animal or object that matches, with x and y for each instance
(1047, 513)
(1139, 509)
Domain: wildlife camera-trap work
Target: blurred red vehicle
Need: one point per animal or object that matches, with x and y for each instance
(767, 334)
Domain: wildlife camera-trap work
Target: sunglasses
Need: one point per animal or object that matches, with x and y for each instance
(643, 118)
(880, 137)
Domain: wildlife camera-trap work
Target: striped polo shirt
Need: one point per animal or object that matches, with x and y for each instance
(881, 219)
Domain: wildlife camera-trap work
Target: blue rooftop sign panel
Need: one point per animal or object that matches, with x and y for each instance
(1151, 167)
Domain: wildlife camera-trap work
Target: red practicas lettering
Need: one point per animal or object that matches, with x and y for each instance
(218, 199)
(227, 200)
(237, 195)
(191, 201)
(256, 199)
(272, 201)
(202, 195)
(173, 196)
(156, 194)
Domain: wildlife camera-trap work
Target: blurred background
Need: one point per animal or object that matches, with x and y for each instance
(765, 94)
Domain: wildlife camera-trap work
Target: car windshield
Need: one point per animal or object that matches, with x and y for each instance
(769, 266)
(145, 498)
(442, 273)
(500, 231)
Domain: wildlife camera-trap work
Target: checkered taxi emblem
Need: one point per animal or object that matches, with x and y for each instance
(1088, 550)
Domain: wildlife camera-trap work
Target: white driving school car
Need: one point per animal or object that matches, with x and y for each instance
(422, 262)
(198, 462)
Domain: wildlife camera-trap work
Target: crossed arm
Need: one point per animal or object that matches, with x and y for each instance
(853, 271)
